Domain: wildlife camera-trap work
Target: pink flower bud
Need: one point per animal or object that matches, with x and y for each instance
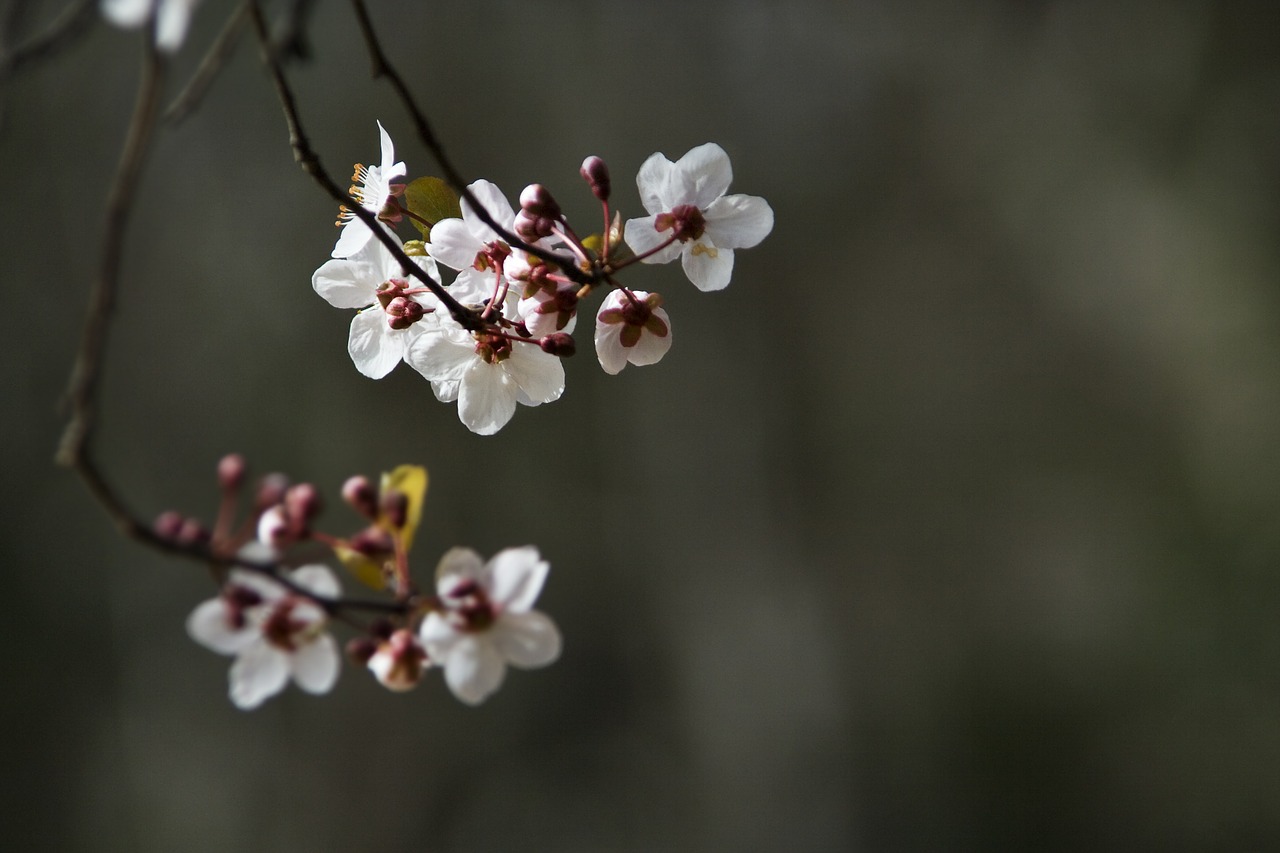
(231, 470)
(403, 312)
(360, 649)
(596, 174)
(537, 200)
(558, 344)
(191, 532)
(167, 525)
(395, 509)
(302, 503)
(358, 492)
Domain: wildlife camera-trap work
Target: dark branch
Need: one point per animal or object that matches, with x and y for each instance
(72, 22)
(213, 63)
(310, 163)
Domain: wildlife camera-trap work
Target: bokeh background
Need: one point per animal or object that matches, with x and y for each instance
(952, 524)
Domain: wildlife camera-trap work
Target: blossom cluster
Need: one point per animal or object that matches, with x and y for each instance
(274, 617)
(494, 336)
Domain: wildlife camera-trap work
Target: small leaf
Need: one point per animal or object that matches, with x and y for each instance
(410, 481)
(366, 569)
(431, 199)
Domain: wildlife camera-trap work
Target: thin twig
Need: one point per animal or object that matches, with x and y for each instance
(381, 67)
(310, 163)
(71, 22)
(213, 63)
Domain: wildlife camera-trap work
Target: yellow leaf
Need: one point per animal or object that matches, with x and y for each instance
(366, 569)
(410, 481)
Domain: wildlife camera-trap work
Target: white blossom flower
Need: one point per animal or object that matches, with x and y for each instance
(636, 331)
(172, 18)
(686, 200)
(399, 661)
(469, 243)
(373, 281)
(491, 372)
(488, 621)
(373, 187)
(273, 633)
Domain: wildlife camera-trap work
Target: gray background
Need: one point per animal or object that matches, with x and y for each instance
(953, 524)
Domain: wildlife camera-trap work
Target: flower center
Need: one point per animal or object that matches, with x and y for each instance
(492, 256)
(493, 348)
(685, 222)
(473, 610)
(281, 629)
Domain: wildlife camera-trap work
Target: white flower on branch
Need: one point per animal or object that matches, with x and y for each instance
(172, 18)
(488, 621)
(632, 330)
(373, 187)
(691, 218)
(372, 281)
(274, 634)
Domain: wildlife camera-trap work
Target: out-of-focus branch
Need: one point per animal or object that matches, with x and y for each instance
(310, 163)
(210, 66)
(382, 67)
(71, 22)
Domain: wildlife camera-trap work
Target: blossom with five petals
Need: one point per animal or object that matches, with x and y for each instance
(273, 633)
(372, 281)
(631, 330)
(690, 216)
(374, 186)
(488, 621)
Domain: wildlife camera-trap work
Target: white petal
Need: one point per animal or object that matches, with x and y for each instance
(438, 637)
(738, 221)
(442, 354)
(355, 235)
(374, 346)
(126, 13)
(474, 669)
(706, 171)
(453, 244)
(487, 398)
(315, 665)
(172, 19)
(446, 391)
(457, 565)
(514, 578)
(527, 640)
(261, 671)
(650, 348)
(642, 236)
(347, 283)
(492, 200)
(539, 375)
(653, 181)
(317, 578)
(388, 151)
(472, 286)
(708, 267)
(609, 349)
(208, 625)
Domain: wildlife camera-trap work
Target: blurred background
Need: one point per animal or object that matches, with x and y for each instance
(952, 524)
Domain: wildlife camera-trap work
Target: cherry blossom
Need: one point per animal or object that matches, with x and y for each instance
(373, 187)
(690, 216)
(488, 621)
(635, 330)
(492, 373)
(172, 18)
(373, 281)
(273, 633)
(399, 661)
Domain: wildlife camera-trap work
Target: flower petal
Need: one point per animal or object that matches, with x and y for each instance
(527, 640)
(609, 349)
(651, 348)
(315, 665)
(457, 565)
(654, 183)
(707, 174)
(738, 221)
(355, 235)
(708, 267)
(442, 354)
(474, 669)
(438, 636)
(642, 236)
(453, 244)
(487, 398)
(172, 19)
(539, 375)
(514, 578)
(375, 348)
(346, 283)
(493, 201)
(317, 578)
(209, 626)
(260, 672)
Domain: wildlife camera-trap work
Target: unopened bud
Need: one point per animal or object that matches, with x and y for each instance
(359, 493)
(395, 509)
(167, 525)
(558, 344)
(303, 503)
(371, 542)
(360, 649)
(538, 201)
(596, 174)
(530, 226)
(271, 491)
(403, 312)
(231, 470)
(191, 532)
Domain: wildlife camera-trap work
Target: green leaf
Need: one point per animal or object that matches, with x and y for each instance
(431, 199)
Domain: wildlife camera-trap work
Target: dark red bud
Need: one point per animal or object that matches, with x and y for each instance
(167, 525)
(302, 502)
(231, 470)
(395, 509)
(358, 492)
(596, 174)
(536, 200)
(382, 629)
(360, 649)
(191, 532)
(558, 344)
